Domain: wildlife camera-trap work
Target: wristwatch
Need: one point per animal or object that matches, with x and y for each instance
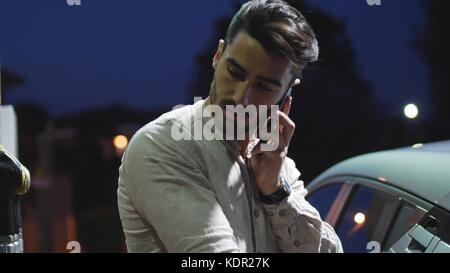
(276, 197)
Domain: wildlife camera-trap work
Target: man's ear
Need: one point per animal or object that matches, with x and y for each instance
(218, 54)
(296, 82)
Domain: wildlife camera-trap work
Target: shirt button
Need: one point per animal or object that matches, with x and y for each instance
(256, 213)
(282, 212)
(296, 243)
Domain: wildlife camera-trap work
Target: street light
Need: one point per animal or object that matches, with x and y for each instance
(120, 142)
(411, 111)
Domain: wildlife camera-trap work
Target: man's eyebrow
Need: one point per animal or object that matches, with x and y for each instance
(263, 78)
(236, 64)
(270, 80)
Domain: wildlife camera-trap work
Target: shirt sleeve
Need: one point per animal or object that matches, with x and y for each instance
(297, 225)
(171, 192)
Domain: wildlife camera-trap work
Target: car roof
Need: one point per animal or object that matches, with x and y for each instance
(422, 169)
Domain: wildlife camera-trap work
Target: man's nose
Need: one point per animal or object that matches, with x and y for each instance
(242, 92)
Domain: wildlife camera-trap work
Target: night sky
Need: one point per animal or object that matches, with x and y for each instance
(140, 53)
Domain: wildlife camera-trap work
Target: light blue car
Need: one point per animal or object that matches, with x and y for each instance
(390, 201)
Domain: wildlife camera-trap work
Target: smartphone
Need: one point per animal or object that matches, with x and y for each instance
(283, 100)
(280, 105)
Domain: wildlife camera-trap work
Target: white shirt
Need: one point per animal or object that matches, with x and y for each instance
(197, 196)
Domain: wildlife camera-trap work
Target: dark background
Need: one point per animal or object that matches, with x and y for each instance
(80, 75)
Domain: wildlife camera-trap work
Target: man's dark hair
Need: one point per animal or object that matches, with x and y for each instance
(281, 30)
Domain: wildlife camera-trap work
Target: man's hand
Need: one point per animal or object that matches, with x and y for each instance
(266, 165)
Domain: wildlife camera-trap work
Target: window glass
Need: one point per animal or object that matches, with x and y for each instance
(366, 219)
(407, 217)
(323, 198)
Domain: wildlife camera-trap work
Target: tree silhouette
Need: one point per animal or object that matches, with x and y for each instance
(333, 108)
(432, 44)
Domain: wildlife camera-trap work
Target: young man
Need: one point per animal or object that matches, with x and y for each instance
(213, 195)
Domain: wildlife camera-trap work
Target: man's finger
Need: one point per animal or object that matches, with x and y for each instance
(287, 106)
(288, 126)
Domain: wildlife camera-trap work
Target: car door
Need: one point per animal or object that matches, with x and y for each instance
(366, 218)
(354, 207)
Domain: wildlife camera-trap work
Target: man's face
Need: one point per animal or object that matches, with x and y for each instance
(246, 74)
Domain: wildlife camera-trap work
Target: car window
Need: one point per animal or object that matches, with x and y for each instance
(323, 198)
(408, 215)
(366, 219)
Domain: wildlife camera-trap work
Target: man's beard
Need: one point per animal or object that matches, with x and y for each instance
(230, 118)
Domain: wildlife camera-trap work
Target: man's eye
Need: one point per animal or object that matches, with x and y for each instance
(265, 88)
(234, 73)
